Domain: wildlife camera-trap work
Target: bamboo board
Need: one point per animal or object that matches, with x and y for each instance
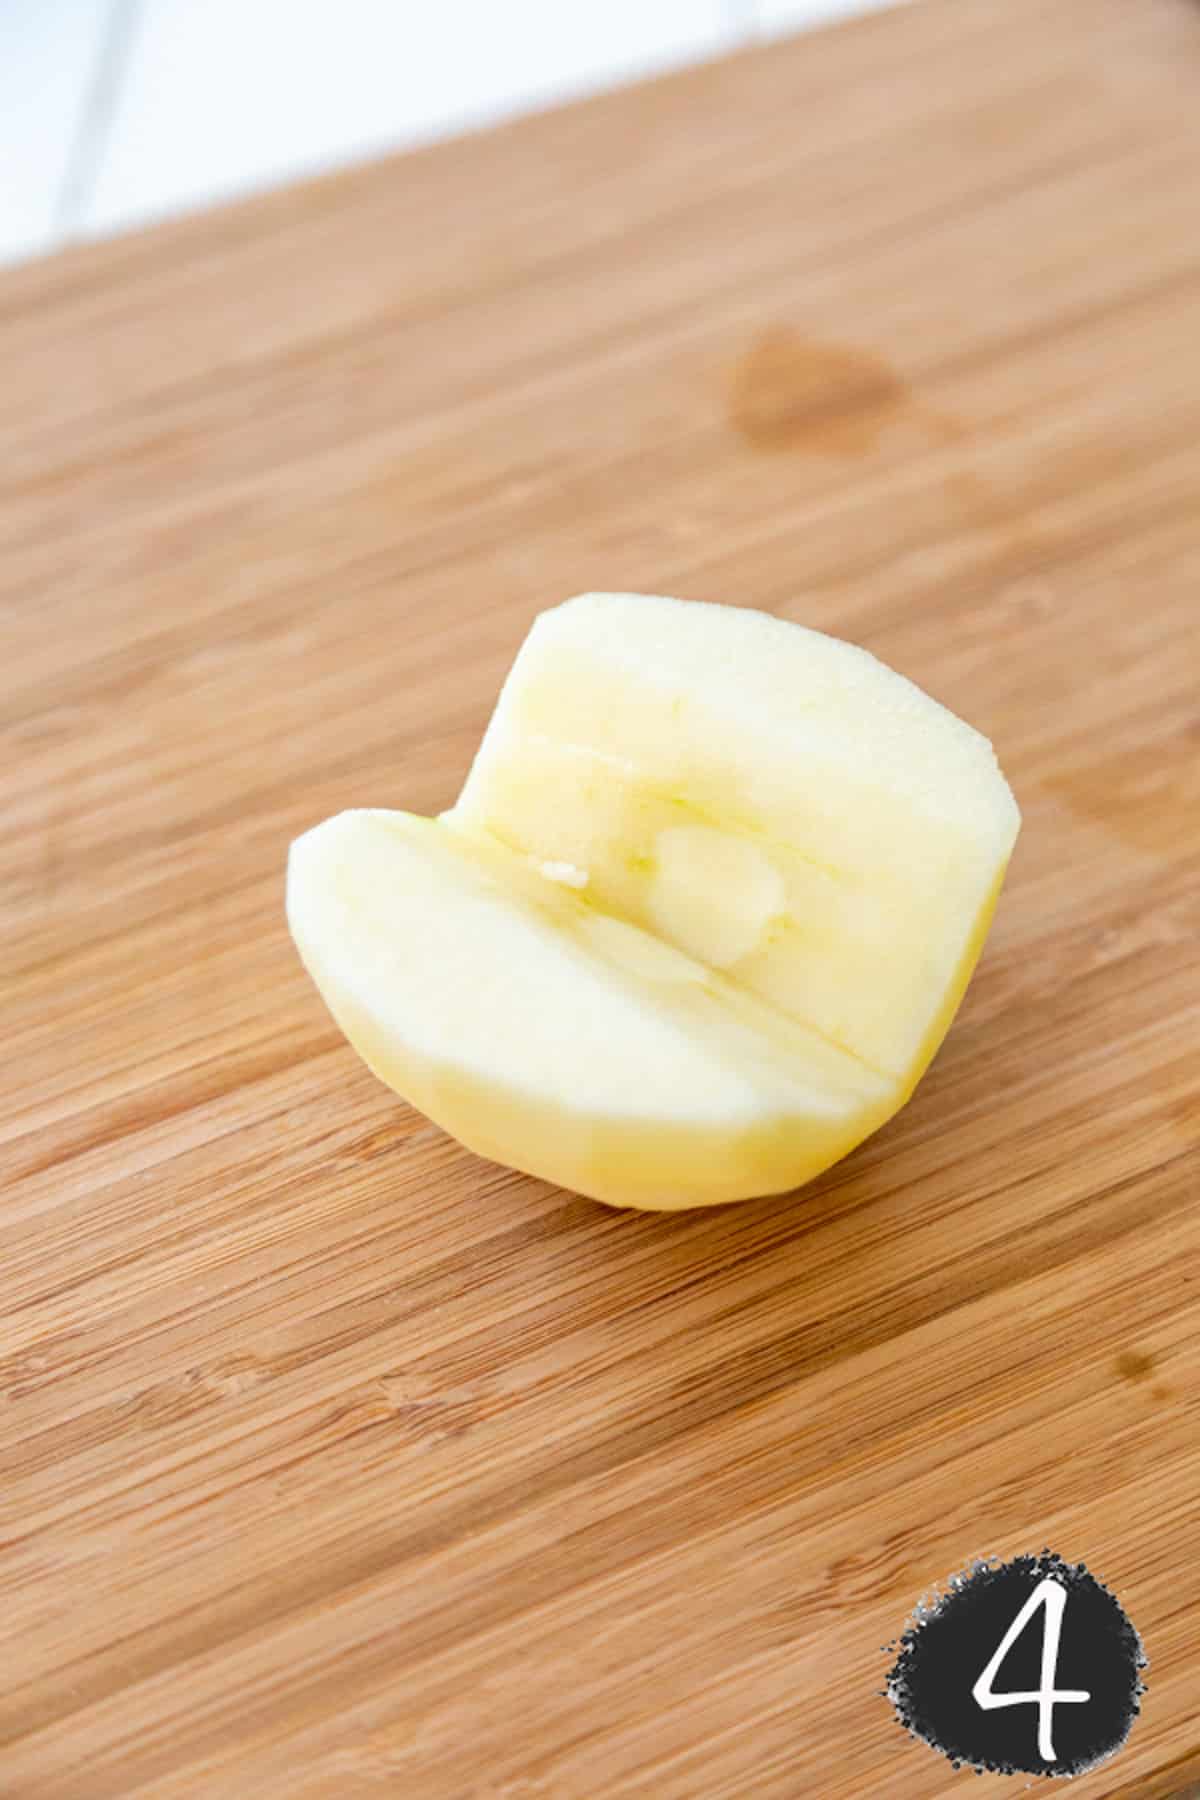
(334, 1461)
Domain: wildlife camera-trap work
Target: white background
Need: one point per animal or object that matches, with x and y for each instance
(114, 113)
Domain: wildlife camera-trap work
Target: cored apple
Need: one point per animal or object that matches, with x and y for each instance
(699, 920)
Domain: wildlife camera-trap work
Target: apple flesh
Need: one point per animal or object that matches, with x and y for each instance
(701, 916)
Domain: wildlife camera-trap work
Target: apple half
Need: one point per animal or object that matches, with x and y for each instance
(698, 921)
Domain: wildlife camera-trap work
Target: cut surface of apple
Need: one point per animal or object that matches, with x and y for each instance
(701, 916)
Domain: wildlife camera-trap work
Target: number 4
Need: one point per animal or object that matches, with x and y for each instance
(1053, 1596)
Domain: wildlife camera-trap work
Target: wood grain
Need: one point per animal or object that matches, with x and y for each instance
(337, 1463)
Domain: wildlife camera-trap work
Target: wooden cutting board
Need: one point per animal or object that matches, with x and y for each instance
(336, 1462)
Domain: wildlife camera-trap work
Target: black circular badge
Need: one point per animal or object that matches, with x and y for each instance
(1029, 1666)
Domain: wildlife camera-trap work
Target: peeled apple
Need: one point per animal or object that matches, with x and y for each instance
(698, 921)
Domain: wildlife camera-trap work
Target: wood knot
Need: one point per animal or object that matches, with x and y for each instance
(789, 394)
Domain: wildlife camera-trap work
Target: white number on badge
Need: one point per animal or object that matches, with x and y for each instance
(1053, 1596)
